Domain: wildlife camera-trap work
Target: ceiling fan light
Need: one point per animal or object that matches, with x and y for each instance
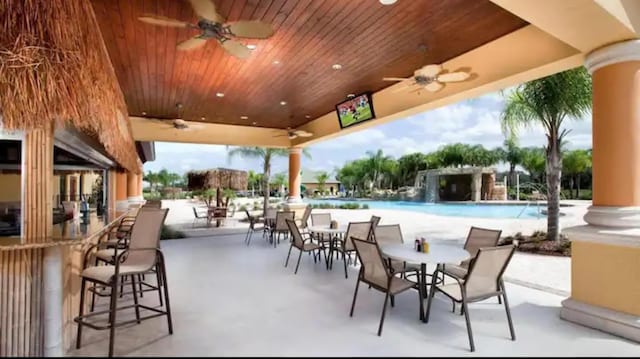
(220, 94)
(387, 2)
(244, 117)
(252, 47)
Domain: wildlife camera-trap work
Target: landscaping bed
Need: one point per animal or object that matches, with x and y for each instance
(537, 243)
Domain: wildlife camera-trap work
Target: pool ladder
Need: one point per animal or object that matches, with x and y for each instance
(527, 206)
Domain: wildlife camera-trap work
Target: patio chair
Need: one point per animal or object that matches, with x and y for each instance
(281, 227)
(476, 239)
(142, 256)
(300, 242)
(483, 281)
(305, 218)
(344, 245)
(197, 216)
(269, 224)
(375, 220)
(321, 219)
(375, 272)
(253, 221)
(392, 234)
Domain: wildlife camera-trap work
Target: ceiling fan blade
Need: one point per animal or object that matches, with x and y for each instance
(434, 86)
(206, 9)
(236, 48)
(429, 70)
(454, 77)
(163, 21)
(292, 137)
(192, 43)
(252, 29)
(403, 87)
(395, 78)
(304, 134)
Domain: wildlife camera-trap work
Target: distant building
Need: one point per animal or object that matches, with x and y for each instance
(310, 183)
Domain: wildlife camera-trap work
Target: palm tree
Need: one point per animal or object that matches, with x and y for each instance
(255, 180)
(266, 155)
(322, 178)
(152, 178)
(533, 161)
(375, 166)
(548, 102)
(575, 163)
(511, 154)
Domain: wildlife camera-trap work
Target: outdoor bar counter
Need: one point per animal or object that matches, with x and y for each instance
(47, 268)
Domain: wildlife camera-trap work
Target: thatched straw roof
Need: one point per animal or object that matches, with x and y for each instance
(54, 69)
(218, 178)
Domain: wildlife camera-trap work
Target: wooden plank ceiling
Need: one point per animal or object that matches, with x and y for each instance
(368, 39)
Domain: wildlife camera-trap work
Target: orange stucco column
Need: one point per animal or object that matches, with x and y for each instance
(122, 203)
(294, 174)
(139, 188)
(616, 135)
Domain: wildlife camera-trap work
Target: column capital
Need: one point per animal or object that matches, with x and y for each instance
(296, 150)
(613, 54)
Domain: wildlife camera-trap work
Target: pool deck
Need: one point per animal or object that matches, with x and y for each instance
(552, 274)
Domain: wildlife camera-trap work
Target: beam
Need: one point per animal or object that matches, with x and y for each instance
(520, 56)
(146, 129)
(583, 24)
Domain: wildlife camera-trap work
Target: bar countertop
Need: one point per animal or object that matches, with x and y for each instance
(69, 232)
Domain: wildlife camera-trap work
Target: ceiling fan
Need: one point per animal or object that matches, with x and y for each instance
(213, 26)
(178, 124)
(293, 133)
(430, 78)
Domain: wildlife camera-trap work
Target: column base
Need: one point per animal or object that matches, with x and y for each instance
(609, 216)
(122, 205)
(136, 200)
(297, 207)
(294, 200)
(603, 319)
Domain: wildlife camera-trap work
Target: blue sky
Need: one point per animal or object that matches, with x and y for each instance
(474, 121)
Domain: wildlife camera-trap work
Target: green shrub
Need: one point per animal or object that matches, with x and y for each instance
(170, 233)
(365, 206)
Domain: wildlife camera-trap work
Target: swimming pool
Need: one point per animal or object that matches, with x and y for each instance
(448, 209)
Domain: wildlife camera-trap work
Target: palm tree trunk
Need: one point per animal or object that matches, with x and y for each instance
(578, 186)
(554, 171)
(265, 182)
(512, 174)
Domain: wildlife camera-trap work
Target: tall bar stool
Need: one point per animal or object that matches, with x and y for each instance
(141, 257)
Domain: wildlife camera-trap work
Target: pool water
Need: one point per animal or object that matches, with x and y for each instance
(448, 209)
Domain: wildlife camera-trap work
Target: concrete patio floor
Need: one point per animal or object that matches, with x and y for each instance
(228, 299)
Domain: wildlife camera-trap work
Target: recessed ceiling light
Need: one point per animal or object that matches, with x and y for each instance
(220, 94)
(283, 103)
(254, 123)
(144, 113)
(307, 116)
(244, 117)
(351, 95)
(203, 118)
(336, 66)
(276, 62)
(387, 2)
(251, 47)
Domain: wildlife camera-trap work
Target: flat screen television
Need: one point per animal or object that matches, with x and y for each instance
(355, 110)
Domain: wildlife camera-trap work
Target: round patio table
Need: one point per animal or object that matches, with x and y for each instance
(439, 254)
(333, 233)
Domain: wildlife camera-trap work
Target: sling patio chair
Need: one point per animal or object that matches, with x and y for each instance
(303, 242)
(482, 281)
(375, 272)
(141, 257)
(281, 227)
(344, 245)
(199, 216)
(253, 226)
(305, 218)
(476, 239)
(375, 220)
(321, 219)
(392, 234)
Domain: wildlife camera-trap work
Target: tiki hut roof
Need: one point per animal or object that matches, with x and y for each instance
(55, 70)
(218, 178)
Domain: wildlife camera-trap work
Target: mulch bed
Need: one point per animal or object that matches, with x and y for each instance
(537, 243)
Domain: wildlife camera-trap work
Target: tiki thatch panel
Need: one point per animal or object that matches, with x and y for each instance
(218, 178)
(54, 68)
